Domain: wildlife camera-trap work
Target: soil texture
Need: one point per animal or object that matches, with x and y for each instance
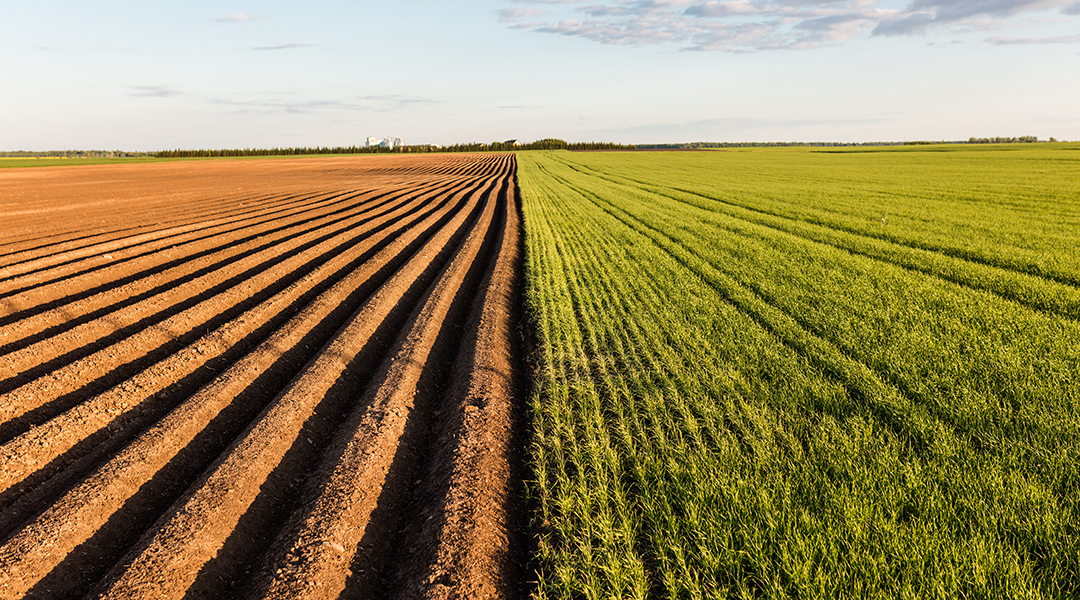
(278, 378)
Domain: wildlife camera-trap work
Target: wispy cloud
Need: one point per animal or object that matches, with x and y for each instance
(510, 15)
(279, 102)
(156, 91)
(726, 9)
(528, 25)
(284, 47)
(287, 106)
(394, 102)
(734, 25)
(755, 25)
(922, 15)
(1010, 41)
(239, 18)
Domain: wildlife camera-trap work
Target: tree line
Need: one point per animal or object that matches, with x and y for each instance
(1024, 139)
(696, 145)
(507, 146)
(705, 145)
(544, 144)
(298, 151)
(74, 154)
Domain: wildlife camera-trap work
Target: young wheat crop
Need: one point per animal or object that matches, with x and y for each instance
(752, 383)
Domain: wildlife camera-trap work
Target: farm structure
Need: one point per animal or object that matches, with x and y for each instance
(260, 379)
(387, 142)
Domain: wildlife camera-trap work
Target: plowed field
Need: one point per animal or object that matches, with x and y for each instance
(264, 379)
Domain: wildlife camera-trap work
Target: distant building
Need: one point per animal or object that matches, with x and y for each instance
(388, 142)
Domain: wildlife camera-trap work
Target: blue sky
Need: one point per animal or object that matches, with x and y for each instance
(152, 75)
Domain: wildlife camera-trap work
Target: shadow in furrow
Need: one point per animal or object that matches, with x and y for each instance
(68, 324)
(85, 566)
(49, 483)
(11, 318)
(380, 552)
(416, 570)
(18, 426)
(266, 204)
(313, 203)
(231, 570)
(156, 244)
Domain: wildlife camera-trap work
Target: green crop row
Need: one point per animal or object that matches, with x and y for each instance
(749, 382)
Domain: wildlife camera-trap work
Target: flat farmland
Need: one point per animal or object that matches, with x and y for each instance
(259, 378)
(806, 373)
(811, 373)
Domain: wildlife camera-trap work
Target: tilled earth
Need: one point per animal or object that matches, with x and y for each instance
(274, 378)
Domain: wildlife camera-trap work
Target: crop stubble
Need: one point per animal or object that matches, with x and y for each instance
(275, 378)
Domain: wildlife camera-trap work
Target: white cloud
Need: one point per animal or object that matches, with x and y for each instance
(754, 25)
(728, 8)
(922, 15)
(509, 15)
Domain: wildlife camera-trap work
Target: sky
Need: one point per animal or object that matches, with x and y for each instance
(130, 75)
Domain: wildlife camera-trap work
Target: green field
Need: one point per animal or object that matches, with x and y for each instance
(805, 373)
(31, 161)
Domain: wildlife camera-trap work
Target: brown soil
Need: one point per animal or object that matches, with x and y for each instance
(264, 378)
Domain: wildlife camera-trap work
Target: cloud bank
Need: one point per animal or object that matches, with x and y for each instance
(755, 25)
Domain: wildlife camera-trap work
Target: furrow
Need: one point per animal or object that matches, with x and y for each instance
(193, 532)
(43, 444)
(93, 294)
(95, 500)
(88, 227)
(207, 300)
(118, 259)
(218, 209)
(313, 556)
(464, 535)
(201, 390)
(125, 243)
